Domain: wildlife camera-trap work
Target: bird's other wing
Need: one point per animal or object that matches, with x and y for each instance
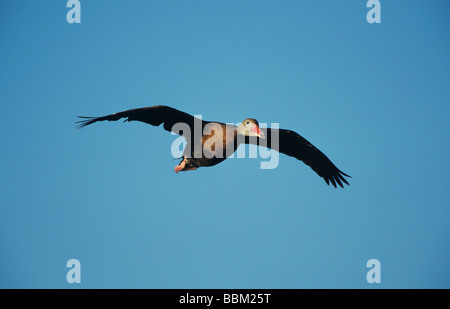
(294, 145)
(154, 115)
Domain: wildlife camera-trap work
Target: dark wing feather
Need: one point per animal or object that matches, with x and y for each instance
(294, 145)
(154, 115)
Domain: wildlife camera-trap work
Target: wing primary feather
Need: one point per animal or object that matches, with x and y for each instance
(333, 182)
(344, 173)
(338, 180)
(343, 179)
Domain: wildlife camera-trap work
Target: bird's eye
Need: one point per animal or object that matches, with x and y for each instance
(248, 122)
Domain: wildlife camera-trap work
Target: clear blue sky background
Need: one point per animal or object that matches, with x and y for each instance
(373, 97)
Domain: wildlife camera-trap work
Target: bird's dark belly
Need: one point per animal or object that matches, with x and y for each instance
(198, 156)
(203, 161)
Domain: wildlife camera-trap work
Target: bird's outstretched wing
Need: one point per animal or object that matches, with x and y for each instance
(292, 144)
(154, 115)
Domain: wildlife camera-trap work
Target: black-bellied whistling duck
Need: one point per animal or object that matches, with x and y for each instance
(212, 142)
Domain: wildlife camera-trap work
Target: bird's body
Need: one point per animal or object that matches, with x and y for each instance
(211, 147)
(210, 142)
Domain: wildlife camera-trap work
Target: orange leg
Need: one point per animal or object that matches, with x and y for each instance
(180, 166)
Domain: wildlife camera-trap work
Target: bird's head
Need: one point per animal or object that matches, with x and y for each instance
(250, 127)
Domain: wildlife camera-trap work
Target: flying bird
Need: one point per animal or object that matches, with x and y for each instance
(217, 141)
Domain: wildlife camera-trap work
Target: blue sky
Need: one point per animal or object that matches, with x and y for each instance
(373, 97)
